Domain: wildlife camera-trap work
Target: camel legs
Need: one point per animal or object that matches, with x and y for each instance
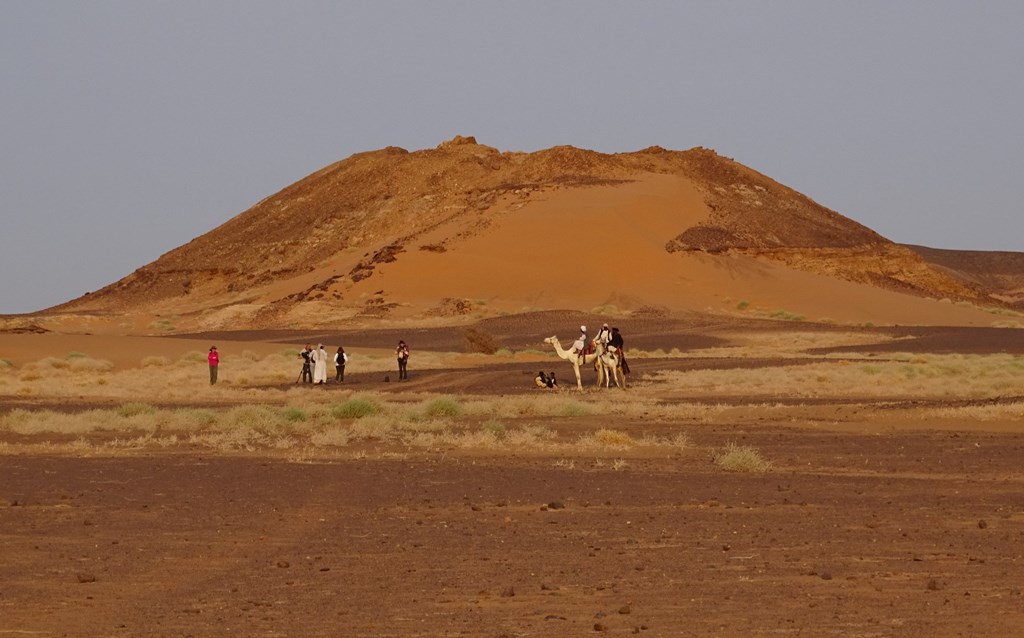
(604, 375)
(610, 370)
(607, 369)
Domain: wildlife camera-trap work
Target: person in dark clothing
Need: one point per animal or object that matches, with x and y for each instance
(617, 343)
(307, 363)
(340, 358)
(402, 353)
(552, 382)
(541, 381)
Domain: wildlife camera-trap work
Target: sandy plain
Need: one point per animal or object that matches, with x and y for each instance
(757, 477)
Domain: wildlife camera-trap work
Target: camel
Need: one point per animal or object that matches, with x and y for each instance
(609, 367)
(572, 357)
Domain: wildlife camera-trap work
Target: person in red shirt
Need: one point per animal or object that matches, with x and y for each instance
(214, 360)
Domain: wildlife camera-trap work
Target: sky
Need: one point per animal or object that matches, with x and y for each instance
(129, 128)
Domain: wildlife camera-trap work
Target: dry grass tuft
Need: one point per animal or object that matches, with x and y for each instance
(897, 376)
(741, 458)
(613, 439)
(494, 427)
(128, 410)
(331, 437)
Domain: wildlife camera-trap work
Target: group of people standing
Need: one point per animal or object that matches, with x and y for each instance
(315, 361)
(314, 364)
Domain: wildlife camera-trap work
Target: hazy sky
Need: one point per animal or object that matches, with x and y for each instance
(129, 128)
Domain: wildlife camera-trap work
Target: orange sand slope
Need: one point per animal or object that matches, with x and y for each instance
(604, 248)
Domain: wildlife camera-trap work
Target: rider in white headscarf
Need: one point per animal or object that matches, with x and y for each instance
(580, 345)
(604, 336)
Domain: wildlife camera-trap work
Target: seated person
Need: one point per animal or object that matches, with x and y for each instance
(542, 381)
(552, 382)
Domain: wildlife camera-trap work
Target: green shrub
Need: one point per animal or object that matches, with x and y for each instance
(293, 414)
(574, 409)
(262, 418)
(443, 407)
(355, 408)
(198, 417)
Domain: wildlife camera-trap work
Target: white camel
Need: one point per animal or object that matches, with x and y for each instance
(573, 358)
(609, 366)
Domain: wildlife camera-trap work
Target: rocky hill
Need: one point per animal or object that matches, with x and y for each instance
(327, 238)
(1000, 273)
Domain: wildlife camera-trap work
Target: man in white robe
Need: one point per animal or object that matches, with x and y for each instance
(320, 365)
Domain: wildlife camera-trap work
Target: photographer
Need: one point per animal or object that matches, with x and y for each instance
(307, 362)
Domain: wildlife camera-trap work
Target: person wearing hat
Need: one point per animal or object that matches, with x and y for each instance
(214, 360)
(580, 345)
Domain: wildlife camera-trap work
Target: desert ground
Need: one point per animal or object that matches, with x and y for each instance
(757, 477)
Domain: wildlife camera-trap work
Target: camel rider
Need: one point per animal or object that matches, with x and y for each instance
(604, 336)
(580, 345)
(616, 344)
